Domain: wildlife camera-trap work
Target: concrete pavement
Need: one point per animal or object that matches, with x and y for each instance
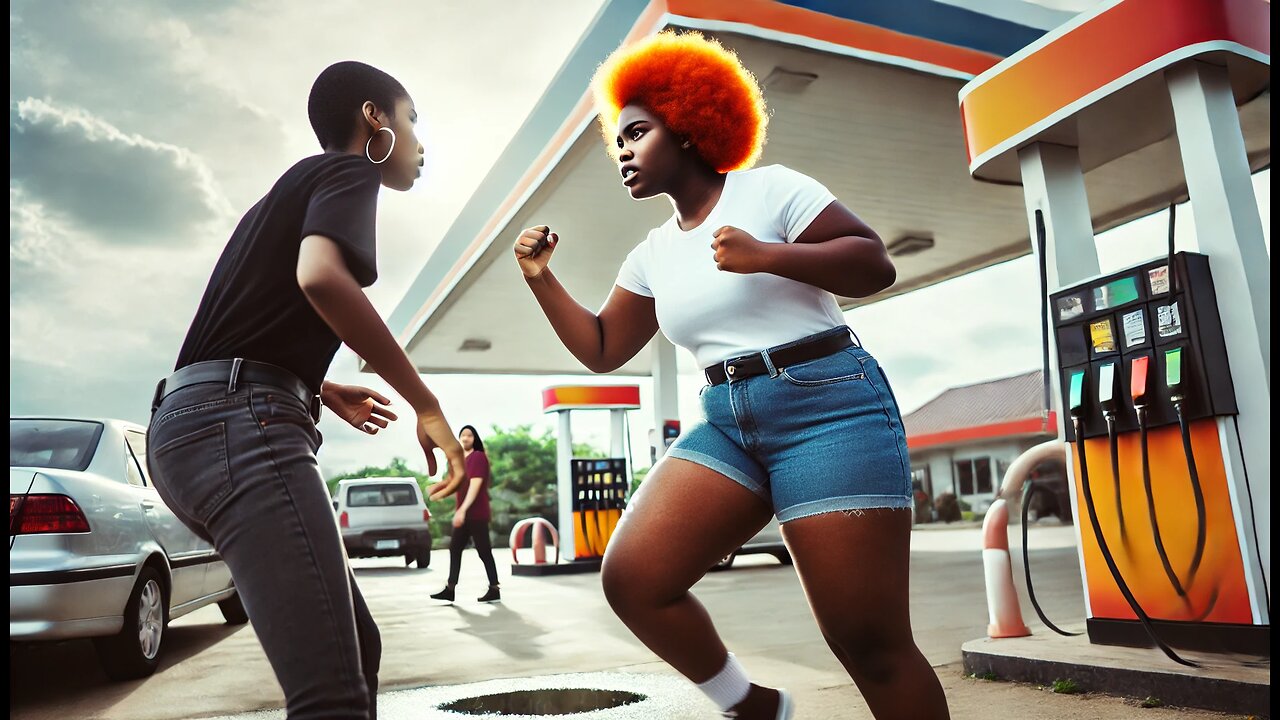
(552, 626)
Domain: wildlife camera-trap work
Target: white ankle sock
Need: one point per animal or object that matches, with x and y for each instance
(729, 686)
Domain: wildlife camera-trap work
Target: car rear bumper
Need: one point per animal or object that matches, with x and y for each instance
(386, 542)
(57, 606)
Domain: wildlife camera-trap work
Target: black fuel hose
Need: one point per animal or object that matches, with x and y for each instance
(1110, 560)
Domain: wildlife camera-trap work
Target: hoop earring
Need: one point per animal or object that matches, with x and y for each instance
(370, 142)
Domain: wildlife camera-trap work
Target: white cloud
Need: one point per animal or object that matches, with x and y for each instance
(122, 186)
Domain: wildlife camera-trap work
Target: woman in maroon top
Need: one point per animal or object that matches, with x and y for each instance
(471, 519)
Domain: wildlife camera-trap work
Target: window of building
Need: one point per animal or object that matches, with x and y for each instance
(973, 476)
(1002, 467)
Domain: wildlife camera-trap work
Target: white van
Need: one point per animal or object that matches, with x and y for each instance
(384, 517)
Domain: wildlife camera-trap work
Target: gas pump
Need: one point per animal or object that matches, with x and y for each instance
(1144, 365)
(591, 492)
(661, 440)
(1163, 368)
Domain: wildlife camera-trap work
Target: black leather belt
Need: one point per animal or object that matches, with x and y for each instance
(233, 373)
(781, 357)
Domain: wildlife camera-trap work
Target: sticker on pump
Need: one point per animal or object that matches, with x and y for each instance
(1104, 338)
(1159, 279)
(1070, 307)
(1168, 321)
(1135, 328)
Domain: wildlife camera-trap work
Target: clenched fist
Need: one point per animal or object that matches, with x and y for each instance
(737, 251)
(533, 249)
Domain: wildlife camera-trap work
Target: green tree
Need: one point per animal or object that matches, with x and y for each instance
(399, 467)
(637, 477)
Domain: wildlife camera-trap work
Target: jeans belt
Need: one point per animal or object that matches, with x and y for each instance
(780, 357)
(233, 373)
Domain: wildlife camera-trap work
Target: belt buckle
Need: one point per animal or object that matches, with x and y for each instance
(729, 369)
(315, 408)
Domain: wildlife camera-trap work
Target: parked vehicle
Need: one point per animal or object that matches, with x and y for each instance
(768, 540)
(93, 550)
(384, 517)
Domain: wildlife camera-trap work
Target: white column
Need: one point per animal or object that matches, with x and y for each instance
(1229, 231)
(564, 485)
(666, 399)
(1053, 183)
(617, 433)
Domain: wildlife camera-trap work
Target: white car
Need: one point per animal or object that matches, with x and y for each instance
(767, 541)
(93, 550)
(384, 517)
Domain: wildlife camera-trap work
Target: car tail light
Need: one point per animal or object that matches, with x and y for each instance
(426, 515)
(34, 514)
(344, 520)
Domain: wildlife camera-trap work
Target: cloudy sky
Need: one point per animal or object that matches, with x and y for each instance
(140, 131)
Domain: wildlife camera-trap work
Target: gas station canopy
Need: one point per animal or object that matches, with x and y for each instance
(1114, 105)
(863, 98)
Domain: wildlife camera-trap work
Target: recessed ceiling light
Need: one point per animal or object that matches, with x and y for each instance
(909, 245)
(788, 81)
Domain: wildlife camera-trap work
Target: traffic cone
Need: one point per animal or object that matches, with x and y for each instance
(1004, 613)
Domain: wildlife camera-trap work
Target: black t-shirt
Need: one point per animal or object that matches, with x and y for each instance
(253, 307)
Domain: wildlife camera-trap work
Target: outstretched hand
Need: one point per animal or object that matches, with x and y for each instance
(363, 409)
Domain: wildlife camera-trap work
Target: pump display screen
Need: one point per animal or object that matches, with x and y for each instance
(1148, 345)
(1070, 307)
(1114, 293)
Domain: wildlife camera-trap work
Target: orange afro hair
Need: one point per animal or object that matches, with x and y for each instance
(697, 87)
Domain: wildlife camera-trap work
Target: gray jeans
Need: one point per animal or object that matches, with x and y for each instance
(240, 470)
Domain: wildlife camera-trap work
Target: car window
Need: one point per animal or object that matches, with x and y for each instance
(138, 446)
(133, 468)
(381, 495)
(53, 444)
(132, 472)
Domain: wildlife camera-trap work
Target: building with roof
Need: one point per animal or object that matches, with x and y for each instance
(964, 440)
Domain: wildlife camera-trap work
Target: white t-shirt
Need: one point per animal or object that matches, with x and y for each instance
(717, 314)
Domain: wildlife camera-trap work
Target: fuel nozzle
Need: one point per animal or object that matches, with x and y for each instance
(1107, 388)
(1173, 374)
(1138, 371)
(1107, 399)
(1075, 394)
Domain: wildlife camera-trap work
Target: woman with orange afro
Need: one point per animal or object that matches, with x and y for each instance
(800, 420)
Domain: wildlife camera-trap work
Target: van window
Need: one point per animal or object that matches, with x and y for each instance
(381, 495)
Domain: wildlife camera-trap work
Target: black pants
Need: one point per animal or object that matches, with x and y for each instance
(477, 530)
(239, 469)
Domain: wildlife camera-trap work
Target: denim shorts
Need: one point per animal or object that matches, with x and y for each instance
(820, 436)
